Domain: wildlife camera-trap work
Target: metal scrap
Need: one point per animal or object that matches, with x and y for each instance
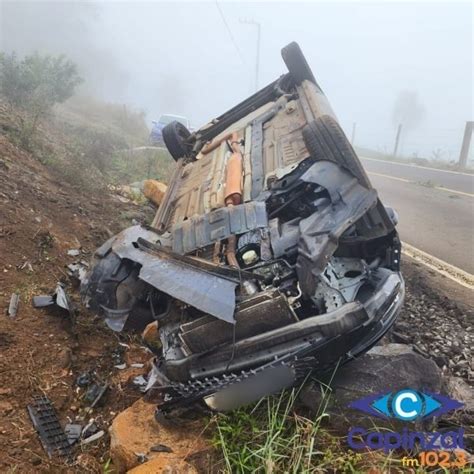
(59, 298)
(77, 270)
(13, 306)
(73, 432)
(84, 379)
(94, 393)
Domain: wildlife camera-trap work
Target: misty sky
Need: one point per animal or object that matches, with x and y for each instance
(379, 63)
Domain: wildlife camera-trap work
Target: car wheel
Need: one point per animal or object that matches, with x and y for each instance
(297, 64)
(113, 283)
(175, 136)
(325, 140)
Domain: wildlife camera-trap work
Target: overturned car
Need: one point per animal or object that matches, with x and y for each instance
(271, 255)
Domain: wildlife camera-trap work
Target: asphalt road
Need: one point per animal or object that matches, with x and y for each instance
(435, 208)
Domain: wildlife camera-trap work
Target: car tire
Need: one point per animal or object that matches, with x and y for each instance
(325, 140)
(297, 64)
(109, 277)
(175, 136)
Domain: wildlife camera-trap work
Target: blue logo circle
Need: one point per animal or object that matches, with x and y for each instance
(407, 405)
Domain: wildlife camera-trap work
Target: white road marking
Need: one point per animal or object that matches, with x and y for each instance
(404, 180)
(440, 266)
(396, 178)
(416, 166)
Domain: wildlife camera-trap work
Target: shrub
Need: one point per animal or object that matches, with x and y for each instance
(34, 84)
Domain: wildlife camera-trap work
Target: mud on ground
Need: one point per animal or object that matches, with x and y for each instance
(41, 218)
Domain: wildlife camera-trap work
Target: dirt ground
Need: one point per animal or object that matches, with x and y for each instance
(44, 351)
(40, 352)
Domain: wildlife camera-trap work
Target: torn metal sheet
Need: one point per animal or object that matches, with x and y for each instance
(59, 298)
(209, 293)
(182, 278)
(116, 318)
(41, 301)
(320, 232)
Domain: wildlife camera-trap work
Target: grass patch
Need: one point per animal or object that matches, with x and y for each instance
(274, 436)
(278, 435)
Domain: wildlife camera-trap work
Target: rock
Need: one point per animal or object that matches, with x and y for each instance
(150, 333)
(135, 430)
(385, 368)
(458, 389)
(154, 190)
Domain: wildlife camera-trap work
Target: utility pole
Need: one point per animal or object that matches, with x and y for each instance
(257, 61)
(466, 142)
(353, 133)
(397, 140)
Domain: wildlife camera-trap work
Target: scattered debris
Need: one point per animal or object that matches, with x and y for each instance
(140, 382)
(28, 267)
(59, 298)
(94, 393)
(74, 252)
(73, 432)
(121, 366)
(161, 448)
(42, 301)
(137, 366)
(94, 437)
(90, 429)
(84, 380)
(77, 270)
(46, 423)
(13, 307)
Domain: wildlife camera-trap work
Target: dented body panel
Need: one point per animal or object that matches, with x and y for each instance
(271, 252)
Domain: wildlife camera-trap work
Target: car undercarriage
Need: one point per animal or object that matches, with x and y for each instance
(270, 256)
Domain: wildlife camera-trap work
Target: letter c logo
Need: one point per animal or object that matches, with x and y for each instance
(407, 405)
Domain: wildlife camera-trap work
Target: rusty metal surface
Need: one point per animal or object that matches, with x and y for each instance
(199, 187)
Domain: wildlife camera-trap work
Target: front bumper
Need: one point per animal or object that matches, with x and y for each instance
(227, 384)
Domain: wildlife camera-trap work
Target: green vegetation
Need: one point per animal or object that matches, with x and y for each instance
(82, 140)
(273, 436)
(34, 84)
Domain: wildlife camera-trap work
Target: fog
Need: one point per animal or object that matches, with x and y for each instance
(379, 63)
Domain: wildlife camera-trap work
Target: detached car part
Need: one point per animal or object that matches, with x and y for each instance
(270, 256)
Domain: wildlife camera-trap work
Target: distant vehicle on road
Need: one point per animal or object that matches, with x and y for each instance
(156, 135)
